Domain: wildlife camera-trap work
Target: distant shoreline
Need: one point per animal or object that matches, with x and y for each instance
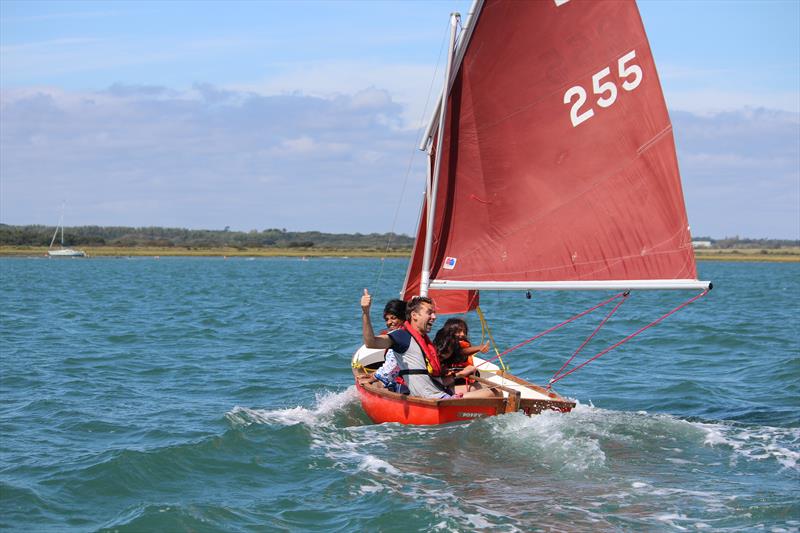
(180, 251)
(748, 256)
(781, 255)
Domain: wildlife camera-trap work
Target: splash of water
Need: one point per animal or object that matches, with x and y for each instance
(326, 406)
(760, 443)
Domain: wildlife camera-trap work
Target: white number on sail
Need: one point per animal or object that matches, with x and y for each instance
(606, 87)
(607, 91)
(573, 113)
(624, 71)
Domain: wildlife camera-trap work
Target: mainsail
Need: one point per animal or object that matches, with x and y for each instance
(558, 166)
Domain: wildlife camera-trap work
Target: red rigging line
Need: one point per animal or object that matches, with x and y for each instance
(590, 337)
(629, 337)
(542, 334)
(624, 295)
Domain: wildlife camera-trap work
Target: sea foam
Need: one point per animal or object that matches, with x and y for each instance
(755, 443)
(326, 406)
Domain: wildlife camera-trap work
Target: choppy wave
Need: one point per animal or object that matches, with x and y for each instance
(617, 460)
(758, 443)
(327, 406)
(585, 431)
(183, 394)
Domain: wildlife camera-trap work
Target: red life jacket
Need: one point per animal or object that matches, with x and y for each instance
(428, 350)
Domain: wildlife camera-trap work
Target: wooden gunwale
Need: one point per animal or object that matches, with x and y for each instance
(511, 377)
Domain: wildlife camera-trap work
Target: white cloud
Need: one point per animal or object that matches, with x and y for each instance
(412, 86)
(714, 90)
(307, 147)
(713, 100)
(215, 157)
(301, 145)
(741, 172)
(370, 99)
(202, 158)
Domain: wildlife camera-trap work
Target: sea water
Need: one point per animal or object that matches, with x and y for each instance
(211, 394)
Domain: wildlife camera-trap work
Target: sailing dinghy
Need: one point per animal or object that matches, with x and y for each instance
(557, 171)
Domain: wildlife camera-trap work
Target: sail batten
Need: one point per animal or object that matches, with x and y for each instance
(621, 285)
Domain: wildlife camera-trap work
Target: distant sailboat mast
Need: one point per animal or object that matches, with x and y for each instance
(60, 225)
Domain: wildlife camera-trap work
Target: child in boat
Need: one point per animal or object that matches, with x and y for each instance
(455, 350)
(394, 313)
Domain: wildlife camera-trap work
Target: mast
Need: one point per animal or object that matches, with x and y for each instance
(55, 233)
(458, 53)
(434, 182)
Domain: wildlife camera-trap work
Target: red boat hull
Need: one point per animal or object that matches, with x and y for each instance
(382, 405)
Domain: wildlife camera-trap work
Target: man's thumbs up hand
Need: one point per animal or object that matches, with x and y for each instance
(366, 301)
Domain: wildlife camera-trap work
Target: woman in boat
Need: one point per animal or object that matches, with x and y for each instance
(394, 314)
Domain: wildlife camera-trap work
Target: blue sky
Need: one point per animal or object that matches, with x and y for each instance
(305, 115)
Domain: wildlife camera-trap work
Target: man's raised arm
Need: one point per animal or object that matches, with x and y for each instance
(370, 340)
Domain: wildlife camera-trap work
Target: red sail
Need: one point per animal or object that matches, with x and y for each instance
(559, 160)
(446, 302)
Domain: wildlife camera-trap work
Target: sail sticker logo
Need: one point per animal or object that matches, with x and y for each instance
(449, 263)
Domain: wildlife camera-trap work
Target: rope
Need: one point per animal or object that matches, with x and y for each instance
(629, 337)
(485, 331)
(542, 334)
(590, 337)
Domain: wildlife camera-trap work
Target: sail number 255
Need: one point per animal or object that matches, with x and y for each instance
(606, 90)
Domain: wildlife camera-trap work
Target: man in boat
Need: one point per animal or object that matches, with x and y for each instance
(413, 349)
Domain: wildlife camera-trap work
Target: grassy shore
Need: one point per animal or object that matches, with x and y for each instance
(148, 251)
(778, 255)
(732, 254)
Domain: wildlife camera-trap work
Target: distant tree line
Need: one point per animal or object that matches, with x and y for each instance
(739, 242)
(188, 238)
(35, 235)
